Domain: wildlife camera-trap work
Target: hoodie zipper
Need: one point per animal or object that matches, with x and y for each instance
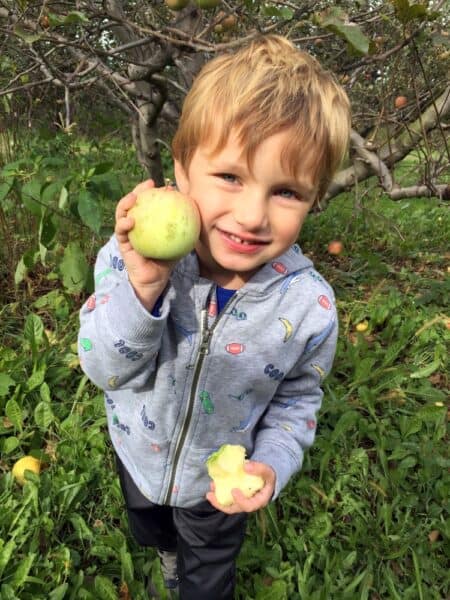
(205, 336)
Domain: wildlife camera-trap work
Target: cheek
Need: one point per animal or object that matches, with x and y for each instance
(288, 227)
(209, 207)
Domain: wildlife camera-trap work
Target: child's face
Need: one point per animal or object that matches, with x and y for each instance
(249, 216)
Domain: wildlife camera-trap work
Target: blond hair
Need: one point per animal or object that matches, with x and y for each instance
(266, 87)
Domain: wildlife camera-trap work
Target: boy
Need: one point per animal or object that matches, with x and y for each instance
(230, 344)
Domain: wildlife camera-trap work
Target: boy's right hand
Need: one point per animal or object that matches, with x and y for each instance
(148, 277)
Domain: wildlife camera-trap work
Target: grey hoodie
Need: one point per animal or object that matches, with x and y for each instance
(179, 385)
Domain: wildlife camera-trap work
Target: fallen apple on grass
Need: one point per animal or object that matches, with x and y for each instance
(226, 469)
(362, 326)
(166, 224)
(335, 247)
(26, 463)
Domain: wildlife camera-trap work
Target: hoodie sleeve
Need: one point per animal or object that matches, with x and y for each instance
(118, 339)
(288, 427)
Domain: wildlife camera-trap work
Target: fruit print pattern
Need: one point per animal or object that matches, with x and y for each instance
(239, 315)
(289, 281)
(279, 267)
(245, 424)
(113, 381)
(273, 372)
(128, 352)
(148, 424)
(207, 403)
(288, 329)
(212, 307)
(324, 302)
(288, 403)
(91, 302)
(318, 339)
(116, 262)
(235, 348)
(119, 425)
(186, 333)
(86, 344)
(102, 275)
(315, 276)
(110, 401)
(242, 396)
(319, 370)
(284, 328)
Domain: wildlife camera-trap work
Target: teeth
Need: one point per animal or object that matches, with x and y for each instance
(237, 239)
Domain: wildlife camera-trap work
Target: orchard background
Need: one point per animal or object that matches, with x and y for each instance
(90, 93)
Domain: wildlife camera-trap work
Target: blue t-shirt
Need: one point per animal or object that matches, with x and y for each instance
(222, 297)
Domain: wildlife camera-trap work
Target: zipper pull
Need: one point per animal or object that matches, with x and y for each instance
(205, 333)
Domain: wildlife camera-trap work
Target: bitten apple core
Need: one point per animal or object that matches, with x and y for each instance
(226, 469)
(166, 224)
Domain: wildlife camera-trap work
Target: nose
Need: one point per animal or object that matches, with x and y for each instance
(251, 211)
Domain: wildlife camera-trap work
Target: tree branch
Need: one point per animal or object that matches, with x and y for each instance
(388, 154)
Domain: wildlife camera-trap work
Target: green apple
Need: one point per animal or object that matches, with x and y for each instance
(226, 469)
(166, 224)
(176, 4)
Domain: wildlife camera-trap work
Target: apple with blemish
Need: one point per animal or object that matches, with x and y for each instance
(166, 224)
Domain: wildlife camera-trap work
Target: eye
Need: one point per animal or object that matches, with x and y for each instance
(228, 177)
(287, 193)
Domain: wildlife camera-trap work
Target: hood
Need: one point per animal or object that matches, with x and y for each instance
(287, 266)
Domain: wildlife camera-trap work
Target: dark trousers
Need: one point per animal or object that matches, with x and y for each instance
(207, 541)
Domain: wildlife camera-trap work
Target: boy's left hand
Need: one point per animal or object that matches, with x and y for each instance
(259, 500)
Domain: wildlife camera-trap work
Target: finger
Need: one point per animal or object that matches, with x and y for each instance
(124, 205)
(261, 469)
(123, 226)
(129, 200)
(211, 497)
(145, 185)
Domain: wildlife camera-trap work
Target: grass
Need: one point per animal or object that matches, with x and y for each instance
(367, 518)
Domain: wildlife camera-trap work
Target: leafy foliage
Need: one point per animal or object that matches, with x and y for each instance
(367, 517)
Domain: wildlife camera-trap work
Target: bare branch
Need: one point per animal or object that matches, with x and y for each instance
(440, 191)
(360, 146)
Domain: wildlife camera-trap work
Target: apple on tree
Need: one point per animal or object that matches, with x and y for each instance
(166, 224)
(176, 4)
(400, 101)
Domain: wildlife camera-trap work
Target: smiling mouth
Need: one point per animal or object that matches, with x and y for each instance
(238, 240)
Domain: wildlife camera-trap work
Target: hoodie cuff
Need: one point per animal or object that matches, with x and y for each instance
(129, 319)
(282, 462)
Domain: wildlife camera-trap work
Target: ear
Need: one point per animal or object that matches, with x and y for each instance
(181, 177)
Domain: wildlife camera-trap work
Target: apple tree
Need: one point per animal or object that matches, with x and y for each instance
(138, 58)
